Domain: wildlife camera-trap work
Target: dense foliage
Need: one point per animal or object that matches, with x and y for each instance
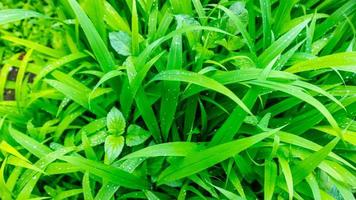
(177, 99)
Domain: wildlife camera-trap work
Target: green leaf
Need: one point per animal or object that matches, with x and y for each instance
(238, 8)
(113, 147)
(346, 9)
(115, 122)
(136, 135)
(197, 161)
(121, 42)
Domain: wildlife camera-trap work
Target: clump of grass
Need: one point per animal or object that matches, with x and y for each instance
(177, 99)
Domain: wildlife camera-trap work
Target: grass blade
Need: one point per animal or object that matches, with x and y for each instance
(200, 160)
(166, 149)
(86, 187)
(35, 46)
(341, 61)
(305, 167)
(110, 173)
(169, 99)
(96, 42)
(269, 179)
(266, 21)
(13, 15)
(201, 80)
(287, 175)
(280, 45)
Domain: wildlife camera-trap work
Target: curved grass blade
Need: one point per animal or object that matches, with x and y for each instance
(35, 46)
(67, 194)
(201, 80)
(29, 179)
(37, 149)
(74, 90)
(197, 161)
(96, 42)
(339, 15)
(280, 45)
(297, 92)
(135, 84)
(150, 195)
(305, 167)
(135, 30)
(266, 22)
(307, 144)
(171, 90)
(312, 182)
(270, 177)
(95, 11)
(58, 63)
(6, 147)
(144, 55)
(13, 15)
(106, 77)
(341, 61)
(12, 160)
(240, 26)
(230, 127)
(287, 175)
(5, 193)
(110, 173)
(348, 135)
(283, 14)
(19, 89)
(227, 193)
(86, 187)
(319, 90)
(114, 20)
(166, 149)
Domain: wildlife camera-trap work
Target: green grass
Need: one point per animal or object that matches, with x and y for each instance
(245, 99)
